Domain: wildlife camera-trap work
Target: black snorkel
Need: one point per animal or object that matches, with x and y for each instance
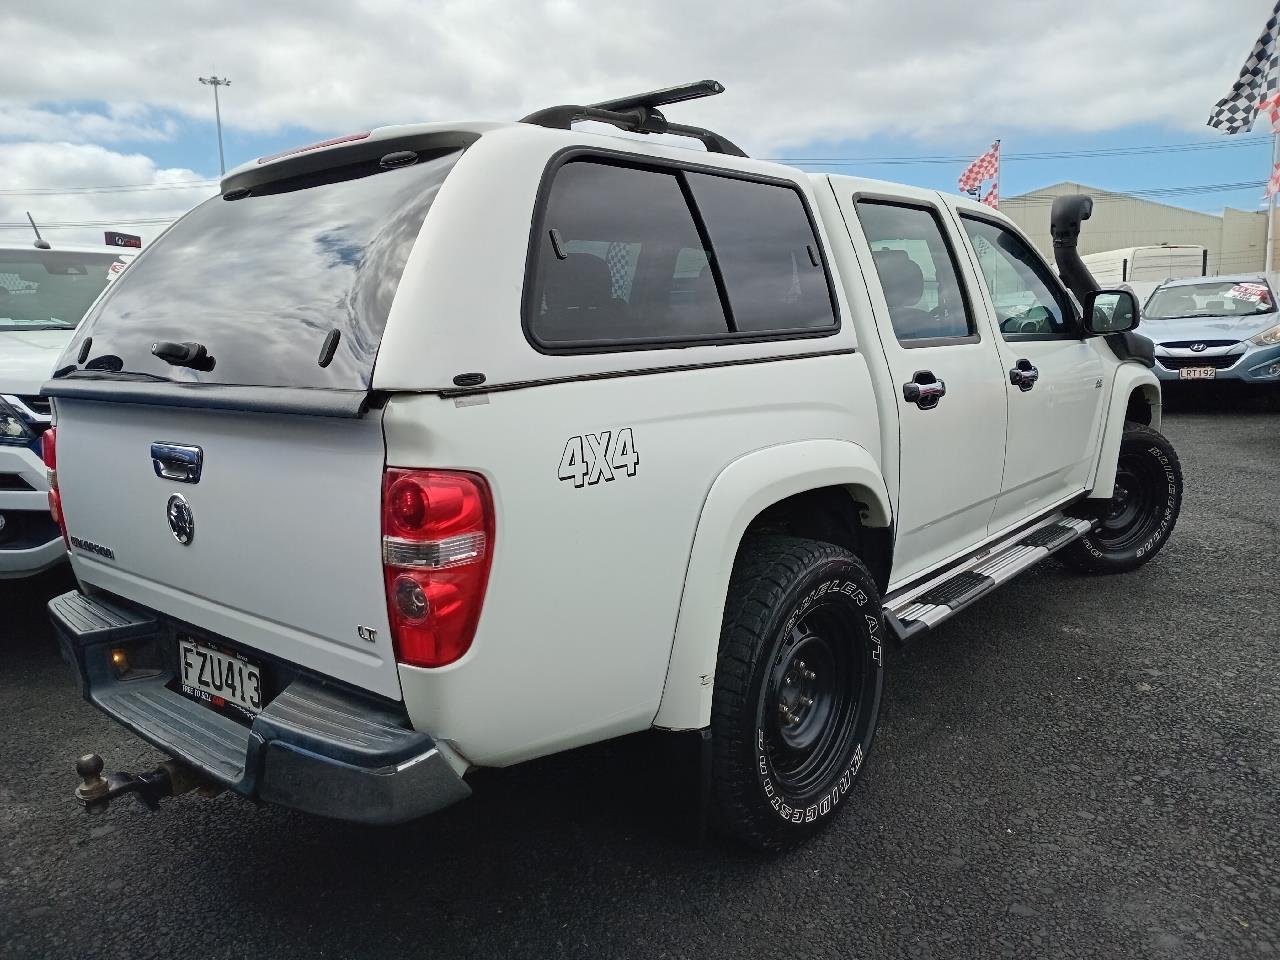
(1065, 217)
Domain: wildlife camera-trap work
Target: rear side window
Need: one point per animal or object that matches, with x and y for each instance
(626, 257)
(620, 258)
(767, 251)
(263, 280)
(917, 271)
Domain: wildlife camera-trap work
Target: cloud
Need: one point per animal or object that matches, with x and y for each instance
(797, 73)
(49, 180)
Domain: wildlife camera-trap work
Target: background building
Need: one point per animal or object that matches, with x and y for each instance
(1235, 239)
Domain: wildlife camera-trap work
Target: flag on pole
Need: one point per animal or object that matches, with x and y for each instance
(985, 167)
(1257, 84)
(1273, 185)
(992, 199)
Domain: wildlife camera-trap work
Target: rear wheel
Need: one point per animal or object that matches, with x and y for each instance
(797, 689)
(1138, 519)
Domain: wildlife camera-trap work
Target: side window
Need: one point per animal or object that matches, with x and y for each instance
(917, 271)
(767, 252)
(1029, 304)
(620, 258)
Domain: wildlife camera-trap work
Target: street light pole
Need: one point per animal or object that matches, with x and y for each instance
(217, 82)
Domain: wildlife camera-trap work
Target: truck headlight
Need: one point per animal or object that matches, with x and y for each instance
(1267, 338)
(13, 429)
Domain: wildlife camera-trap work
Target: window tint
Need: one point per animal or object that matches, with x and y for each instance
(629, 265)
(262, 280)
(1028, 302)
(917, 271)
(766, 250)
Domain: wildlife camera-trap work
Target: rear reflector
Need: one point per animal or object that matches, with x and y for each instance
(437, 536)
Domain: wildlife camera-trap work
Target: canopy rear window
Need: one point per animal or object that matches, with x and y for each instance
(262, 281)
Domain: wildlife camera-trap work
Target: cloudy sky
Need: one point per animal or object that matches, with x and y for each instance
(96, 95)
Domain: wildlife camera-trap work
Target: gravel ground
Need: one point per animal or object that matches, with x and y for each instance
(1075, 767)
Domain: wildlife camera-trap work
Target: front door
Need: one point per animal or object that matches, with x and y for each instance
(951, 404)
(1053, 375)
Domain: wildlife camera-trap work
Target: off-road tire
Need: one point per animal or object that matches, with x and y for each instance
(791, 599)
(1137, 521)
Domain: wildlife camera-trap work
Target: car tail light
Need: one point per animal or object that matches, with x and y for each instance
(437, 540)
(49, 453)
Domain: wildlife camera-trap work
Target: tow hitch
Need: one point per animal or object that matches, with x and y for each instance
(168, 779)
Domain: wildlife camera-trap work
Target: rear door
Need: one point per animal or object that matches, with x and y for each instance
(951, 405)
(240, 493)
(1052, 375)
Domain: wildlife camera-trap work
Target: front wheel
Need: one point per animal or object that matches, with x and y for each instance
(1138, 519)
(797, 689)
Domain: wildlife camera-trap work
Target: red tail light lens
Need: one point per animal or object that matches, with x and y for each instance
(437, 538)
(49, 453)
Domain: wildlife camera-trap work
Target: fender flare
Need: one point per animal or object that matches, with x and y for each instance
(739, 493)
(1129, 377)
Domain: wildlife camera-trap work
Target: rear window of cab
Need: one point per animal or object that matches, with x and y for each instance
(629, 256)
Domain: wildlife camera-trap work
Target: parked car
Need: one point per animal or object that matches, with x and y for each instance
(1219, 328)
(44, 291)
(454, 445)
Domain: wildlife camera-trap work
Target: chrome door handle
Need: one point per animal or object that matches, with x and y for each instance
(177, 462)
(1024, 375)
(924, 390)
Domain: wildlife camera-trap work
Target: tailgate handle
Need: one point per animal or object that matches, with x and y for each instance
(174, 461)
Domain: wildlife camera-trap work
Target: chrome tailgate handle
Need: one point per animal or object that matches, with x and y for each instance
(174, 461)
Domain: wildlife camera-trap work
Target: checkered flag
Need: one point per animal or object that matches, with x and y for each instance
(992, 199)
(1257, 85)
(618, 258)
(1273, 185)
(984, 168)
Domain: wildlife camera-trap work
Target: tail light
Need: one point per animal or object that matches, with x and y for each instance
(49, 453)
(437, 538)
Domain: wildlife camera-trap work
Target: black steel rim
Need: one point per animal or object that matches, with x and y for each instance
(1133, 511)
(812, 699)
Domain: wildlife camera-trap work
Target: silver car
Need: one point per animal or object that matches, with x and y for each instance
(1215, 328)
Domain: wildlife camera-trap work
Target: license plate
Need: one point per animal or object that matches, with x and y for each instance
(218, 678)
(1197, 373)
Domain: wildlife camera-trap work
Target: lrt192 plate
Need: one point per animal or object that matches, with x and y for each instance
(1197, 373)
(219, 679)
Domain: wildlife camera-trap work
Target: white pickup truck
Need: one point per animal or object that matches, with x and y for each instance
(454, 445)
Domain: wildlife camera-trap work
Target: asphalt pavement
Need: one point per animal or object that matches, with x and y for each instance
(1075, 767)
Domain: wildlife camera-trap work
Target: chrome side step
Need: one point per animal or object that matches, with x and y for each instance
(922, 606)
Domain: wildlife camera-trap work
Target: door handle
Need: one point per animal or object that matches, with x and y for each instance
(1024, 375)
(924, 390)
(177, 462)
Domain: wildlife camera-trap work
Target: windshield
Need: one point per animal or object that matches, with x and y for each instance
(1219, 298)
(49, 289)
(288, 285)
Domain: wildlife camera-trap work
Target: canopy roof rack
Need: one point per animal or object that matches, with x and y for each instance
(640, 114)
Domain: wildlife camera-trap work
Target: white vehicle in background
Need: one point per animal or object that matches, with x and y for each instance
(1145, 268)
(44, 291)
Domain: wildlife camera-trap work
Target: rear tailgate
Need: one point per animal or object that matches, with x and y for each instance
(285, 552)
(285, 284)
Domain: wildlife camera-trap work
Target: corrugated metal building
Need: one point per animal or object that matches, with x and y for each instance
(1236, 240)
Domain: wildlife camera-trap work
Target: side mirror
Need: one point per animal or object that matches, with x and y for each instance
(1110, 311)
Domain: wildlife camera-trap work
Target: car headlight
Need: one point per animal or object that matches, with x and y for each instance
(13, 429)
(1267, 338)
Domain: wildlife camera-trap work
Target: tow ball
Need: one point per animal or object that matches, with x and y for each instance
(168, 779)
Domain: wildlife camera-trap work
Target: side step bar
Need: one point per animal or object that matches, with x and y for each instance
(911, 612)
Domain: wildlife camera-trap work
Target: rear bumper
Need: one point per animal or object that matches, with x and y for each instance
(313, 747)
(29, 541)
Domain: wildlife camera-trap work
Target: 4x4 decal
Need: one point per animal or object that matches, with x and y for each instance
(593, 457)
